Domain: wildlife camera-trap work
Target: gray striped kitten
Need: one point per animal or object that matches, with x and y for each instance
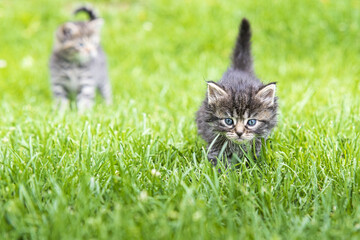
(239, 110)
(78, 63)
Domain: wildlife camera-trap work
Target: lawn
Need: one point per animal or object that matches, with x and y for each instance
(138, 169)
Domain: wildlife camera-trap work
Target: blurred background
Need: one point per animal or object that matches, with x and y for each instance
(138, 167)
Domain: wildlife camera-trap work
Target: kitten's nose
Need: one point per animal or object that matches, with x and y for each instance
(239, 133)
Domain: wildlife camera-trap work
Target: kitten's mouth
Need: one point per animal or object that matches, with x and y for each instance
(82, 58)
(239, 140)
(236, 140)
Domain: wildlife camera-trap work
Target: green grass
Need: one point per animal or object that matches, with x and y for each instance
(138, 169)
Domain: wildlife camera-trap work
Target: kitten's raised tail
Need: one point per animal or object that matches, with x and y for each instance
(241, 58)
(88, 10)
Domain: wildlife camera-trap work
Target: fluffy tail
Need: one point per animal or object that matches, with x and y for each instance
(88, 10)
(241, 58)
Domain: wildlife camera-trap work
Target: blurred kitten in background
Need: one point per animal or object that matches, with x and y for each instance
(78, 63)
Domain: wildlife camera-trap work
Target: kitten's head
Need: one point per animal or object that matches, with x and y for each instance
(78, 41)
(241, 116)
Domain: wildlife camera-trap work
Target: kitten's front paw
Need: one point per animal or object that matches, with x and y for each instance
(84, 105)
(62, 105)
(108, 101)
(213, 160)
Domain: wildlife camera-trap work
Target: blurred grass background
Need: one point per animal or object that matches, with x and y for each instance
(92, 176)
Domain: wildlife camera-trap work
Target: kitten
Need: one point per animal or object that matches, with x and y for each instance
(78, 63)
(238, 111)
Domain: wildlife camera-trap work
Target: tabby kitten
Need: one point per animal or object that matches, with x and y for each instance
(239, 110)
(78, 63)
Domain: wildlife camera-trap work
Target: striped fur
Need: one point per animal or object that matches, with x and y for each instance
(78, 63)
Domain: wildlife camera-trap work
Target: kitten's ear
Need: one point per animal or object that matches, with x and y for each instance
(266, 94)
(96, 24)
(66, 31)
(215, 92)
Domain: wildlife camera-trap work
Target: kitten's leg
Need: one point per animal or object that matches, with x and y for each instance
(213, 158)
(61, 97)
(251, 151)
(105, 91)
(227, 161)
(258, 144)
(85, 97)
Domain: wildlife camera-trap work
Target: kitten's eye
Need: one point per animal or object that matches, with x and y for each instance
(251, 122)
(81, 44)
(229, 121)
